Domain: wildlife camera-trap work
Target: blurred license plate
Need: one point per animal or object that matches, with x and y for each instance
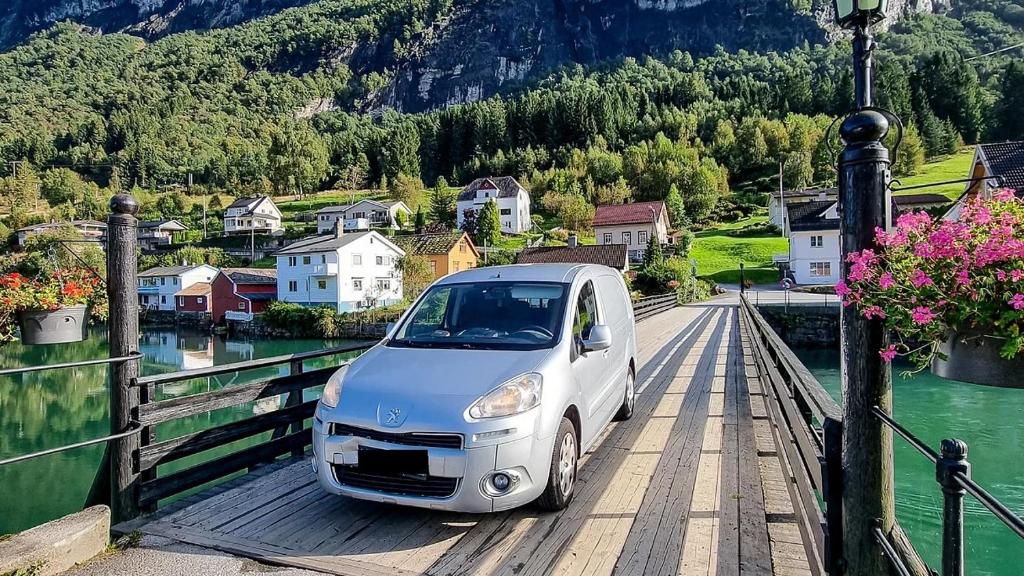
(374, 461)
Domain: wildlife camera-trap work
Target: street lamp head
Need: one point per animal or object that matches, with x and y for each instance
(857, 13)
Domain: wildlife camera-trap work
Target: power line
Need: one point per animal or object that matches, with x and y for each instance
(994, 52)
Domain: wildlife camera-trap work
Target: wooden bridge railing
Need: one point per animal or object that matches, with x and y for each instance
(647, 307)
(290, 434)
(810, 428)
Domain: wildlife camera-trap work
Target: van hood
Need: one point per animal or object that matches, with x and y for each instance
(425, 387)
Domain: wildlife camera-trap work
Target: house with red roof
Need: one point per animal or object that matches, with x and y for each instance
(633, 225)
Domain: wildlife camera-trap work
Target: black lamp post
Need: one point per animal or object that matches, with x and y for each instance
(864, 206)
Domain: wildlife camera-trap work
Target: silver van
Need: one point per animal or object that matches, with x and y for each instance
(485, 393)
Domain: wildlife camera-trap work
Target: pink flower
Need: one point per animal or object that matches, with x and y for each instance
(888, 353)
(922, 315)
(1003, 195)
(1016, 275)
(842, 289)
(918, 278)
(874, 312)
(1001, 275)
(1017, 301)
(963, 278)
(885, 281)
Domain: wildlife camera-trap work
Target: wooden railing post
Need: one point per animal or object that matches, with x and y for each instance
(123, 325)
(294, 399)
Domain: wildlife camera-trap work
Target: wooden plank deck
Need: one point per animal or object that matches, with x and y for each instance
(692, 484)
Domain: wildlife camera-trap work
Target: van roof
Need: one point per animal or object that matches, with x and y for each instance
(522, 272)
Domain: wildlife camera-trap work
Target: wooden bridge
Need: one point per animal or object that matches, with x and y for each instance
(697, 482)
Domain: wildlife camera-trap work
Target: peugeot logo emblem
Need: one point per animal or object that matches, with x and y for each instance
(394, 416)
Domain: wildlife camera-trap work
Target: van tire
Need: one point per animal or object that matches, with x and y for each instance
(555, 496)
(629, 400)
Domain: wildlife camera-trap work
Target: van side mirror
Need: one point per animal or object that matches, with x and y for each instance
(600, 338)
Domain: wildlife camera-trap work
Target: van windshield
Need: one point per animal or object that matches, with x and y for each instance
(485, 315)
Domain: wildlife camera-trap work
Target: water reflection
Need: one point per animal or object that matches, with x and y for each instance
(52, 408)
(989, 420)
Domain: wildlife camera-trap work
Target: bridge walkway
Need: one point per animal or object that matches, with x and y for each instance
(692, 484)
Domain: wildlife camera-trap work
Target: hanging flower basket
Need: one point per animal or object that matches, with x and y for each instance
(974, 357)
(950, 292)
(51, 309)
(60, 326)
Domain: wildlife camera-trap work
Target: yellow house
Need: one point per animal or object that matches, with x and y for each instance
(447, 253)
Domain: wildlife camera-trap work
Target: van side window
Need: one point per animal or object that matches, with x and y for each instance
(586, 313)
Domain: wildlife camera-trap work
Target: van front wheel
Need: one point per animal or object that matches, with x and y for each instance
(626, 410)
(562, 475)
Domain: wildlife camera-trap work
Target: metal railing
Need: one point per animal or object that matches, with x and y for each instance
(953, 474)
(809, 427)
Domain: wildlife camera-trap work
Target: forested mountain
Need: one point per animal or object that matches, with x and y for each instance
(606, 99)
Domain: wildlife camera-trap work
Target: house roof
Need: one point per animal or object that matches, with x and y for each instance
(167, 270)
(245, 202)
(197, 289)
(329, 243)
(433, 243)
(258, 296)
(635, 213)
(507, 187)
(912, 199)
(75, 223)
(162, 224)
(808, 216)
(251, 275)
(807, 193)
(613, 255)
(332, 209)
(1006, 160)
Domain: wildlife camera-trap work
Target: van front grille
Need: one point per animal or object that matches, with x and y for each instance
(397, 484)
(405, 439)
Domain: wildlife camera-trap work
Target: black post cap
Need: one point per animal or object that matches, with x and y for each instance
(124, 204)
(864, 126)
(953, 448)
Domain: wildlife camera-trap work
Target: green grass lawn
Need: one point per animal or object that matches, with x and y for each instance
(718, 256)
(953, 167)
(323, 199)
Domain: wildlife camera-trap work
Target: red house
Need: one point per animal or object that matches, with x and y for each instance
(242, 292)
(195, 298)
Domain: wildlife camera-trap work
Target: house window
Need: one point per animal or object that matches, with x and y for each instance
(641, 237)
(383, 283)
(821, 269)
(292, 261)
(174, 281)
(293, 286)
(321, 284)
(306, 260)
(163, 281)
(817, 241)
(433, 267)
(199, 300)
(181, 300)
(163, 299)
(462, 247)
(380, 260)
(357, 283)
(506, 211)
(357, 259)
(627, 238)
(241, 305)
(607, 238)
(456, 266)
(323, 258)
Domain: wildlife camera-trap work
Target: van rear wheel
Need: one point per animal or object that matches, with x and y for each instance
(626, 410)
(562, 475)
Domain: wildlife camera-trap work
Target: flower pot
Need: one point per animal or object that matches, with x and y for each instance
(54, 326)
(974, 357)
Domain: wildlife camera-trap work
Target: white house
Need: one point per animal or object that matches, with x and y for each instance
(157, 286)
(348, 271)
(362, 215)
(252, 215)
(90, 229)
(632, 225)
(513, 202)
(779, 201)
(997, 165)
(154, 233)
(814, 242)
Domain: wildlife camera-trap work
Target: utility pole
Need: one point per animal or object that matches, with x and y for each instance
(867, 462)
(782, 199)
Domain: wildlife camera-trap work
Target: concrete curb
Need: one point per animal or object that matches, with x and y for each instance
(56, 546)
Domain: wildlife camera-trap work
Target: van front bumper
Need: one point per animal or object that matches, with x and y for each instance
(466, 471)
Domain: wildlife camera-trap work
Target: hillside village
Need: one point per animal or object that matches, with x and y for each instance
(374, 252)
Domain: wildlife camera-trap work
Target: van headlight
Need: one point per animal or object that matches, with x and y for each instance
(517, 395)
(332, 390)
